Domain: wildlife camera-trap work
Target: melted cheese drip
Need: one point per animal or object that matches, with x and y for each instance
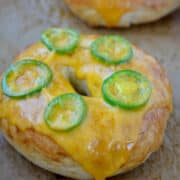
(111, 10)
(108, 134)
(113, 16)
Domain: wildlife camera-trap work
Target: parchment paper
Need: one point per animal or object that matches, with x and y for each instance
(21, 22)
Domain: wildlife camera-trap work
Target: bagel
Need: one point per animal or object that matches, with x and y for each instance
(121, 13)
(111, 139)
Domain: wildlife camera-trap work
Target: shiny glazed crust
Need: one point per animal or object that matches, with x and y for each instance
(139, 11)
(46, 153)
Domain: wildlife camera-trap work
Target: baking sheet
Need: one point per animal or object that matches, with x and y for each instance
(21, 22)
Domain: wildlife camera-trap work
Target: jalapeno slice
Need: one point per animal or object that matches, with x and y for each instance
(25, 77)
(127, 89)
(62, 41)
(65, 112)
(112, 49)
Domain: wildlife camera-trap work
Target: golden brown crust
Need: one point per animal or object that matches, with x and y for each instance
(121, 13)
(155, 121)
(33, 140)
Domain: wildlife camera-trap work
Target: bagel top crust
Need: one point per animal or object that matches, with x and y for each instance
(108, 137)
(114, 13)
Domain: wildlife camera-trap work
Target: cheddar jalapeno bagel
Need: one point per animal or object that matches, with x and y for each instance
(84, 106)
(121, 13)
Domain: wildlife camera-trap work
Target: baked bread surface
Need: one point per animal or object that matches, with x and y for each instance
(111, 140)
(121, 13)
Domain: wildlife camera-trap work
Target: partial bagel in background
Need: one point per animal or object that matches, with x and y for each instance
(121, 13)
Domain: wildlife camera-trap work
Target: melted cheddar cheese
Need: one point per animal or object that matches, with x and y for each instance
(105, 140)
(111, 11)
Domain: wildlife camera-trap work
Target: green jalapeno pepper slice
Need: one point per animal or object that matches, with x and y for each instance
(62, 41)
(112, 49)
(127, 89)
(65, 112)
(26, 77)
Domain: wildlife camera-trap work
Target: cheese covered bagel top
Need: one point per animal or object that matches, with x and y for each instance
(108, 136)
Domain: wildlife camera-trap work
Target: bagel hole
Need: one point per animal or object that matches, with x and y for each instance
(80, 86)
